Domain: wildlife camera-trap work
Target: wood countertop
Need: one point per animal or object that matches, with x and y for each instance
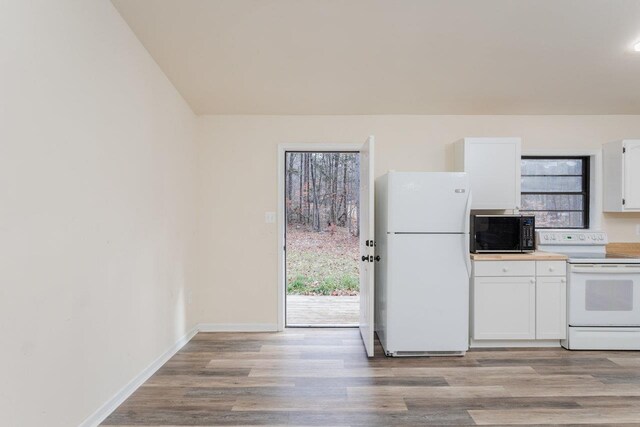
(627, 249)
(533, 256)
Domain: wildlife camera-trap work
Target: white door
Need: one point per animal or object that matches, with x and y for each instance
(632, 175)
(423, 202)
(366, 245)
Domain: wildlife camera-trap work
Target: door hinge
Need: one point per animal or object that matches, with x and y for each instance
(623, 201)
(624, 150)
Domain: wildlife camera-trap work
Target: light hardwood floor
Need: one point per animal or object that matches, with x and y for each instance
(322, 377)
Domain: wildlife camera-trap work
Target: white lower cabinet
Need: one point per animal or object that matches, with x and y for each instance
(504, 308)
(551, 308)
(516, 307)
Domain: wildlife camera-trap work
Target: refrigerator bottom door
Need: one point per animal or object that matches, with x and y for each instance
(428, 293)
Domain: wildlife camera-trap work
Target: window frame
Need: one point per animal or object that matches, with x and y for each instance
(585, 193)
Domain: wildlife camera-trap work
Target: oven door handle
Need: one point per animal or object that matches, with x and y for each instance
(605, 270)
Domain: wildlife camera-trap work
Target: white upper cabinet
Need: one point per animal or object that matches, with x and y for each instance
(493, 165)
(621, 187)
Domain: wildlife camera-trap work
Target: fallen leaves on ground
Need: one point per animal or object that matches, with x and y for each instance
(322, 263)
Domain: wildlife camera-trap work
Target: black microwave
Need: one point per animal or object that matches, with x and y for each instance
(503, 233)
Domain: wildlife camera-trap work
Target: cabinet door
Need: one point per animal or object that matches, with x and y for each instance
(493, 165)
(631, 188)
(551, 308)
(504, 308)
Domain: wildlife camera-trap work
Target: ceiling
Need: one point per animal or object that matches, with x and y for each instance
(395, 56)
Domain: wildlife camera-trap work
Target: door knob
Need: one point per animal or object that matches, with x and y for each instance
(377, 257)
(365, 258)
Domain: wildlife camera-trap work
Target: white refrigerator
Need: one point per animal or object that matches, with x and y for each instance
(422, 275)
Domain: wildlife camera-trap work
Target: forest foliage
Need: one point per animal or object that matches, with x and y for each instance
(322, 191)
(322, 208)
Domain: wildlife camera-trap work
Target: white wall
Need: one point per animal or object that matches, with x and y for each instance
(239, 183)
(97, 210)
(100, 240)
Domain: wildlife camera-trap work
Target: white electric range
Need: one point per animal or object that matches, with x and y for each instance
(603, 291)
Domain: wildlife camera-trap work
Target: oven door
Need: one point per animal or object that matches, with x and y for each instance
(604, 295)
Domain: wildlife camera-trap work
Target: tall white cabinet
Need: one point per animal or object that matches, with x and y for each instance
(493, 165)
(621, 177)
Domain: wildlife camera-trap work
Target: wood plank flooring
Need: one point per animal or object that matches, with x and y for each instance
(323, 310)
(321, 377)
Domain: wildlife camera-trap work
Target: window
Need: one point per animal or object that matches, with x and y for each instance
(556, 191)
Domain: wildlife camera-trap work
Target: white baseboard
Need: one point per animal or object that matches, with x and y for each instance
(237, 327)
(103, 412)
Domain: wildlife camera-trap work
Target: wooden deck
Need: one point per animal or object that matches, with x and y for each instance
(322, 310)
(322, 377)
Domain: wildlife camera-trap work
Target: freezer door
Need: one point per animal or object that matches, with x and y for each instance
(428, 202)
(428, 292)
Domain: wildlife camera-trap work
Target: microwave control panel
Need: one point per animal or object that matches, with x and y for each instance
(528, 227)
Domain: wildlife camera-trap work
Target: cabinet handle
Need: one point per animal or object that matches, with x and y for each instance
(532, 281)
(563, 280)
(505, 269)
(550, 268)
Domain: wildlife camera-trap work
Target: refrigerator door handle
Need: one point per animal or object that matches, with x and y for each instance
(467, 256)
(467, 214)
(467, 248)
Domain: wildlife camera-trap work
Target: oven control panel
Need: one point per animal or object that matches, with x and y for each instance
(573, 238)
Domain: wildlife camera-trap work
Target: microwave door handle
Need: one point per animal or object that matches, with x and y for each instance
(466, 236)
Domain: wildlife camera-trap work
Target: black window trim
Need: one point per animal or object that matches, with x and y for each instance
(586, 196)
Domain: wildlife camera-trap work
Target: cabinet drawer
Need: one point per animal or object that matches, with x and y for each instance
(504, 268)
(551, 268)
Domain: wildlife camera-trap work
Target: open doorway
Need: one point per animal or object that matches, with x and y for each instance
(322, 229)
